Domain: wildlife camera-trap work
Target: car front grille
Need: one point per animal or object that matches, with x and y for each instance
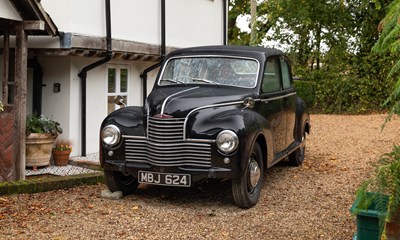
(164, 146)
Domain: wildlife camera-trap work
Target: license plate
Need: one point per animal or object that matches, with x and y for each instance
(167, 179)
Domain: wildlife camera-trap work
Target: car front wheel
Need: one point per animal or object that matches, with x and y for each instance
(118, 181)
(246, 189)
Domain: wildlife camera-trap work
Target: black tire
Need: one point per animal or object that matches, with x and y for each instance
(296, 158)
(118, 181)
(245, 191)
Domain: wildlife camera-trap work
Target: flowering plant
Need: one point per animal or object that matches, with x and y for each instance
(63, 147)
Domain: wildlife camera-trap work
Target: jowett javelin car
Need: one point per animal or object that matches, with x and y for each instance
(221, 112)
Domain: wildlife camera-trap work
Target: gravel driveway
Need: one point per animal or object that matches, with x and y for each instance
(309, 202)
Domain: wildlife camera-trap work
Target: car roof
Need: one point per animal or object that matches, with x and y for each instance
(228, 49)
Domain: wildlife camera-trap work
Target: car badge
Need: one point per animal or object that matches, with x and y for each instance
(162, 116)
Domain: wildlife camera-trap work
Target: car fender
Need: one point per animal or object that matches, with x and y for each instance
(249, 126)
(302, 117)
(130, 120)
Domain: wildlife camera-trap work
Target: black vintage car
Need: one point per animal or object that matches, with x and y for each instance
(223, 112)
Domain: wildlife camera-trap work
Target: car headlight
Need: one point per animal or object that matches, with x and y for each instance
(111, 135)
(227, 141)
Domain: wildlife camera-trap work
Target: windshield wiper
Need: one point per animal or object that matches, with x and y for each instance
(204, 80)
(172, 81)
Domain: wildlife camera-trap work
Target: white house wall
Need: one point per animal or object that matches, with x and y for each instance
(7, 11)
(58, 105)
(188, 23)
(194, 22)
(65, 106)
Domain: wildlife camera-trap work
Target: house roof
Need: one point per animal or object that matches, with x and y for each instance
(30, 10)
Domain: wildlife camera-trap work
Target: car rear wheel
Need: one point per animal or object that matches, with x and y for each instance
(118, 181)
(246, 189)
(296, 158)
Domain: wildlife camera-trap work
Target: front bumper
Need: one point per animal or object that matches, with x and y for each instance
(197, 174)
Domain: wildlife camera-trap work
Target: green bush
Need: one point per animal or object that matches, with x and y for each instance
(306, 90)
(359, 86)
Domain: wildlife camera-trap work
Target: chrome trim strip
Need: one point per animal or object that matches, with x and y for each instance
(278, 98)
(178, 144)
(170, 156)
(167, 164)
(134, 137)
(167, 98)
(200, 140)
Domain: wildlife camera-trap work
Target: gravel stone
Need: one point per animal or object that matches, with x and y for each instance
(107, 194)
(307, 202)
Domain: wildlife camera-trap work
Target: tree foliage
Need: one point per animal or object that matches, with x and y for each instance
(330, 45)
(389, 41)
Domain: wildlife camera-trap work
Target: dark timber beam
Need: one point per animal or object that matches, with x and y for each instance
(33, 25)
(6, 57)
(21, 66)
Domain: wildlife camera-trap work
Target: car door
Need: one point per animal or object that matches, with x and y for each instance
(289, 100)
(272, 104)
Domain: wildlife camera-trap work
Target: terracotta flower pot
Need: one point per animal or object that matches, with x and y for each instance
(61, 158)
(38, 149)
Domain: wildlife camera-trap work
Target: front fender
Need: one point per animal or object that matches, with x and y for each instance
(131, 121)
(207, 123)
(249, 126)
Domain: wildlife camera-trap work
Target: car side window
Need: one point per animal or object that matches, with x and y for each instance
(271, 78)
(287, 83)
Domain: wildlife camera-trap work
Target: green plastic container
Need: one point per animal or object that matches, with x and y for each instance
(368, 220)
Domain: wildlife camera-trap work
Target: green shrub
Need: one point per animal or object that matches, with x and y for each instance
(359, 86)
(306, 90)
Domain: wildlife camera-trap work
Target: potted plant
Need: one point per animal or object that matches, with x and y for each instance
(61, 154)
(41, 133)
(377, 204)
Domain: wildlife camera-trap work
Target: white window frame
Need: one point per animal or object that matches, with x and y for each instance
(118, 68)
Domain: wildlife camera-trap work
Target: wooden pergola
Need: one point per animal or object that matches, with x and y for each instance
(35, 21)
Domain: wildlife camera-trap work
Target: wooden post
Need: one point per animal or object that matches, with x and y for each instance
(6, 57)
(21, 68)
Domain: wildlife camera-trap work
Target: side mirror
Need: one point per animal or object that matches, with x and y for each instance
(119, 100)
(248, 103)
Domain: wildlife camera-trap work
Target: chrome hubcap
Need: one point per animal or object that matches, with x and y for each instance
(254, 173)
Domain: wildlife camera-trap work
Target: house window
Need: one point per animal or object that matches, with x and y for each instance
(117, 84)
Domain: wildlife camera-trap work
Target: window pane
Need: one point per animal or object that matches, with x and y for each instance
(124, 80)
(110, 104)
(285, 75)
(211, 70)
(111, 80)
(271, 81)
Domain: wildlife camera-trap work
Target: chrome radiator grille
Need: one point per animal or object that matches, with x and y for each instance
(164, 146)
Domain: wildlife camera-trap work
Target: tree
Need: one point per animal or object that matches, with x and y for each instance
(389, 41)
(262, 24)
(253, 22)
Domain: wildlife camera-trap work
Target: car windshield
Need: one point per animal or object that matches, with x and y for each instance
(239, 72)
